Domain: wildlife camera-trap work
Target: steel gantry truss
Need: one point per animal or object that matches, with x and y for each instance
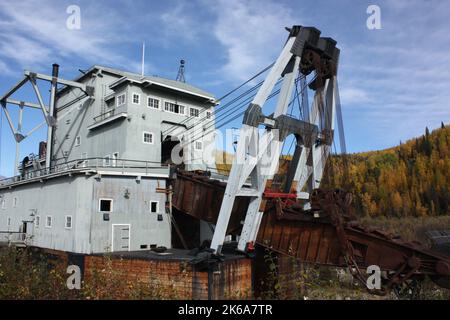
(48, 111)
(257, 154)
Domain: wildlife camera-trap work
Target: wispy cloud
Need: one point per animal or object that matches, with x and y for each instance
(35, 32)
(178, 23)
(251, 32)
(352, 95)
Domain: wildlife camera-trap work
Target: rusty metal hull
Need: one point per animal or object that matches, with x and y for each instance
(317, 243)
(201, 197)
(290, 231)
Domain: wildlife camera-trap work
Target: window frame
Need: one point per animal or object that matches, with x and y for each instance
(77, 141)
(108, 156)
(124, 99)
(174, 105)
(65, 222)
(46, 221)
(154, 99)
(15, 201)
(3, 204)
(84, 158)
(152, 137)
(139, 98)
(201, 145)
(37, 221)
(100, 205)
(114, 158)
(196, 111)
(157, 206)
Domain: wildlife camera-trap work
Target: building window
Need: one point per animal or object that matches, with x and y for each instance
(105, 205)
(154, 206)
(121, 99)
(68, 223)
(77, 141)
(153, 103)
(68, 121)
(208, 114)
(3, 202)
(136, 98)
(148, 137)
(48, 221)
(174, 108)
(84, 163)
(107, 161)
(193, 112)
(198, 145)
(14, 202)
(37, 221)
(8, 222)
(115, 157)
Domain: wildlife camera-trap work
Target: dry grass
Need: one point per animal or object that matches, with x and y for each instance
(410, 228)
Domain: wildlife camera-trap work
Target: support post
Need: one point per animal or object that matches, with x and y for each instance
(52, 116)
(19, 130)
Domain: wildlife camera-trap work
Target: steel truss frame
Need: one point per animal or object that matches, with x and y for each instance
(48, 111)
(257, 155)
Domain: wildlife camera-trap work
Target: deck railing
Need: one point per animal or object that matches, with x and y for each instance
(14, 238)
(110, 113)
(62, 165)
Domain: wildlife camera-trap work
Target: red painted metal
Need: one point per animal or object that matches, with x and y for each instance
(280, 195)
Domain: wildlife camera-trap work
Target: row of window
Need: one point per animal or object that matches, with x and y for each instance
(147, 138)
(48, 223)
(3, 203)
(106, 206)
(168, 106)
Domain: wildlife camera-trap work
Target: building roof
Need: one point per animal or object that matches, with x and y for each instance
(158, 81)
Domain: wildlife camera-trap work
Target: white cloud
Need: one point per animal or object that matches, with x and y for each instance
(179, 24)
(23, 50)
(5, 69)
(352, 95)
(35, 32)
(252, 33)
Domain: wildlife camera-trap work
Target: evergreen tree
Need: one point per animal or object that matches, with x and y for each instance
(412, 179)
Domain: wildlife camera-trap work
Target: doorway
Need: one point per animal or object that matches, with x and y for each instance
(167, 146)
(120, 237)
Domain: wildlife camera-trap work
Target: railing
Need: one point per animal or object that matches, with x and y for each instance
(15, 238)
(110, 113)
(61, 165)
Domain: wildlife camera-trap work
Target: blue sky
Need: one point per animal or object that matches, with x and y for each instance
(393, 81)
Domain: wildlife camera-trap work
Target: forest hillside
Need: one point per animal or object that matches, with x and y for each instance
(409, 180)
(412, 179)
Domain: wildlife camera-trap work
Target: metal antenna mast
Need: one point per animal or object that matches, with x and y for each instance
(180, 75)
(143, 59)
